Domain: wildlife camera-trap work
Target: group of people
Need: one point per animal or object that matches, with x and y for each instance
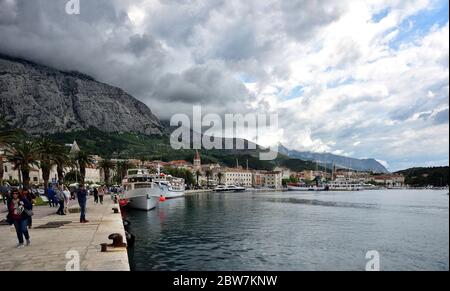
(99, 193)
(20, 206)
(59, 197)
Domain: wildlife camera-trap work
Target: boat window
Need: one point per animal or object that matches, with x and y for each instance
(139, 179)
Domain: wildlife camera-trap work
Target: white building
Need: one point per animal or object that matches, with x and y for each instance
(237, 177)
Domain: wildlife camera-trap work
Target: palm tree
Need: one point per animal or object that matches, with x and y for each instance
(122, 168)
(208, 174)
(106, 165)
(143, 159)
(7, 135)
(198, 174)
(49, 155)
(220, 175)
(62, 160)
(23, 155)
(83, 160)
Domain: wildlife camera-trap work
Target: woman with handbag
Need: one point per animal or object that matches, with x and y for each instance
(31, 197)
(19, 210)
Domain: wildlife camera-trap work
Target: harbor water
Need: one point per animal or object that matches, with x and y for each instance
(294, 231)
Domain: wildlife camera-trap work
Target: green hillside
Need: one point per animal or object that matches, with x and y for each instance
(138, 146)
(435, 176)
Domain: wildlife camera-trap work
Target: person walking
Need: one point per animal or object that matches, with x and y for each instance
(61, 199)
(31, 197)
(95, 195)
(67, 196)
(18, 216)
(101, 194)
(82, 198)
(51, 196)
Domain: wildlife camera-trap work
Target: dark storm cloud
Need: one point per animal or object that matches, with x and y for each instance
(172, 54)
(207, 83)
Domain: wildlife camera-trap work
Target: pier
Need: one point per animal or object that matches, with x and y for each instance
(61, 243)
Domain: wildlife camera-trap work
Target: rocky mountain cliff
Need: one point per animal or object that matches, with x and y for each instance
(40, 99)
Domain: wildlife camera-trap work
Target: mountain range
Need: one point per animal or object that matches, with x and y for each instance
(40, 100)
(68, 105)
(329, 159)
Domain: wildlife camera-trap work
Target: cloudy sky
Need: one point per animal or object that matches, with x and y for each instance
(357, 78)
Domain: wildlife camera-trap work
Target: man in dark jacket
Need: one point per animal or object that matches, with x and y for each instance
(51, 196)
(18, 216)
(82, 198)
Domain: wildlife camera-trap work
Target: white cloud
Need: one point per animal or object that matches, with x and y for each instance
(359, 95)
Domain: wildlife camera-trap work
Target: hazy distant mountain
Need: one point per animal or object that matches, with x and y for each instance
(340, 161)
(40, 99)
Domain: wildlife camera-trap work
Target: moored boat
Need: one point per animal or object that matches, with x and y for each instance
(229, 188)
(304, 187)
(139, 190)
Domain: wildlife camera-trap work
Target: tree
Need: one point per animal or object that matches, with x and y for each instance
(7, 135)
(49, 154)
(23, 155)
(208, 174)
(122, 168)
(220, 175)
(62, 160)
(106, 165)
(189, 178)
(71, 176)
(198, 174)
(84, 160)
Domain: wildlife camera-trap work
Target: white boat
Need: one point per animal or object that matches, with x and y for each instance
(346, 185)
(169, 186)
(304, 187)
(229, 188)
(139, 189)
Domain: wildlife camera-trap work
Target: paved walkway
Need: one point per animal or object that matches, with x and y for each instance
(50, 246)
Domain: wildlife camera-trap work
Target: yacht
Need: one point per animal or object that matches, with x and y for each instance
(229, 188)
(140, 190)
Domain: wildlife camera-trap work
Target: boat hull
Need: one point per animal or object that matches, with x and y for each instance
(142, 198)
(169, 193)
(143, 203)
(299, 188)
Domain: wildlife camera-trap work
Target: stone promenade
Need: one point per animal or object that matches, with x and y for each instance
(60, 243)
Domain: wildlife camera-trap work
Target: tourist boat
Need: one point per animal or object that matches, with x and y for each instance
(346, 185)
(169, 186)
(229, 188)
(139, 189)
(304, 187)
